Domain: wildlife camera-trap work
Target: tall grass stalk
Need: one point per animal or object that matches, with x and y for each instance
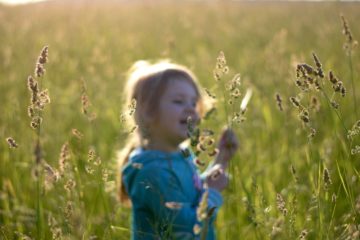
(39, 73)
(349, 46)
(353, 84)
(349, 144)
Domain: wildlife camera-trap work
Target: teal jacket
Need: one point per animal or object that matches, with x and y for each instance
(165, 190)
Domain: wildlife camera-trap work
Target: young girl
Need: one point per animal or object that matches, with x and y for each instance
(157, 175)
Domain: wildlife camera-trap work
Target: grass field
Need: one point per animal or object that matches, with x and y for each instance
(284, 185)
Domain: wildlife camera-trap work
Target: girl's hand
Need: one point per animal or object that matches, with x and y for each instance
(227, 146)
(217, 178)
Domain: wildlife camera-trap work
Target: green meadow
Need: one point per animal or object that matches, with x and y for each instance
(297, 172)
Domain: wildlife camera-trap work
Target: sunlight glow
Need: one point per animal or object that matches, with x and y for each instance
(18, 2)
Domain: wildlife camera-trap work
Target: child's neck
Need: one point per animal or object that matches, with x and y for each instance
(161, 146)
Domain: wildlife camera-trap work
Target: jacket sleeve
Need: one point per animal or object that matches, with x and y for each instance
(160, 192)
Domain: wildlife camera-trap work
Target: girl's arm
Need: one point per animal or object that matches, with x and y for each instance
(227, 146)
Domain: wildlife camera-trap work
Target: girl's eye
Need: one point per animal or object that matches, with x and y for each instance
(178, 101)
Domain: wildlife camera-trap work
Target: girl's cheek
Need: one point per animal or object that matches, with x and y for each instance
(176, 108)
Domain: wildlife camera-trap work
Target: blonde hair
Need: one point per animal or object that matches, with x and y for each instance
(146, 84)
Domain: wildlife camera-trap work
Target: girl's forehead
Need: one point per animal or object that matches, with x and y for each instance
(181, 87)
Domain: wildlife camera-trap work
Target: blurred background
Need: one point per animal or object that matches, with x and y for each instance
(92, 44)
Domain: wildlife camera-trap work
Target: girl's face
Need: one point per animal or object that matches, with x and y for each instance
(178, 102)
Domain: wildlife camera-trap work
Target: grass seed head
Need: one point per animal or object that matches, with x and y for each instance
(293, 172)
(64, 158)
(51, 176)
(236, 93)
(304, 115)
(237, 79)
(97, 161)
(31, 111)
(317, 61)
(43, 57)
(221, 61)
(220, 67)
(301, 70)
(333, 198)
(213, 153)
(199, 162)
(334, 104)
(326, 179)
(194, 140)
(207, 132)
(77, 133)
(89, 169)
(133, 129)
(69, 185)
(338, 86)
(298, 83)
(280, 203)
(357, 124)
(69, 210)
(312, 133)
(201, 211)
(217, 76)
(346, 29)
(279, 101)
(91, 155)
(201, 147)
(105, 175)
(343, 91)
(309, 80)
(85, 103)
(211, 95)
(122, 117)
(355, 150)
(39, 70)
(295, 102)
(314, 104)
(308, 69)
(132, 107)
(332, 78)
(44, 97)
(350, 44)
(11, 142)
(32, 84)
(190, 125)
(303, 234)
(35, 122)
(317, 85)
(210, 141)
